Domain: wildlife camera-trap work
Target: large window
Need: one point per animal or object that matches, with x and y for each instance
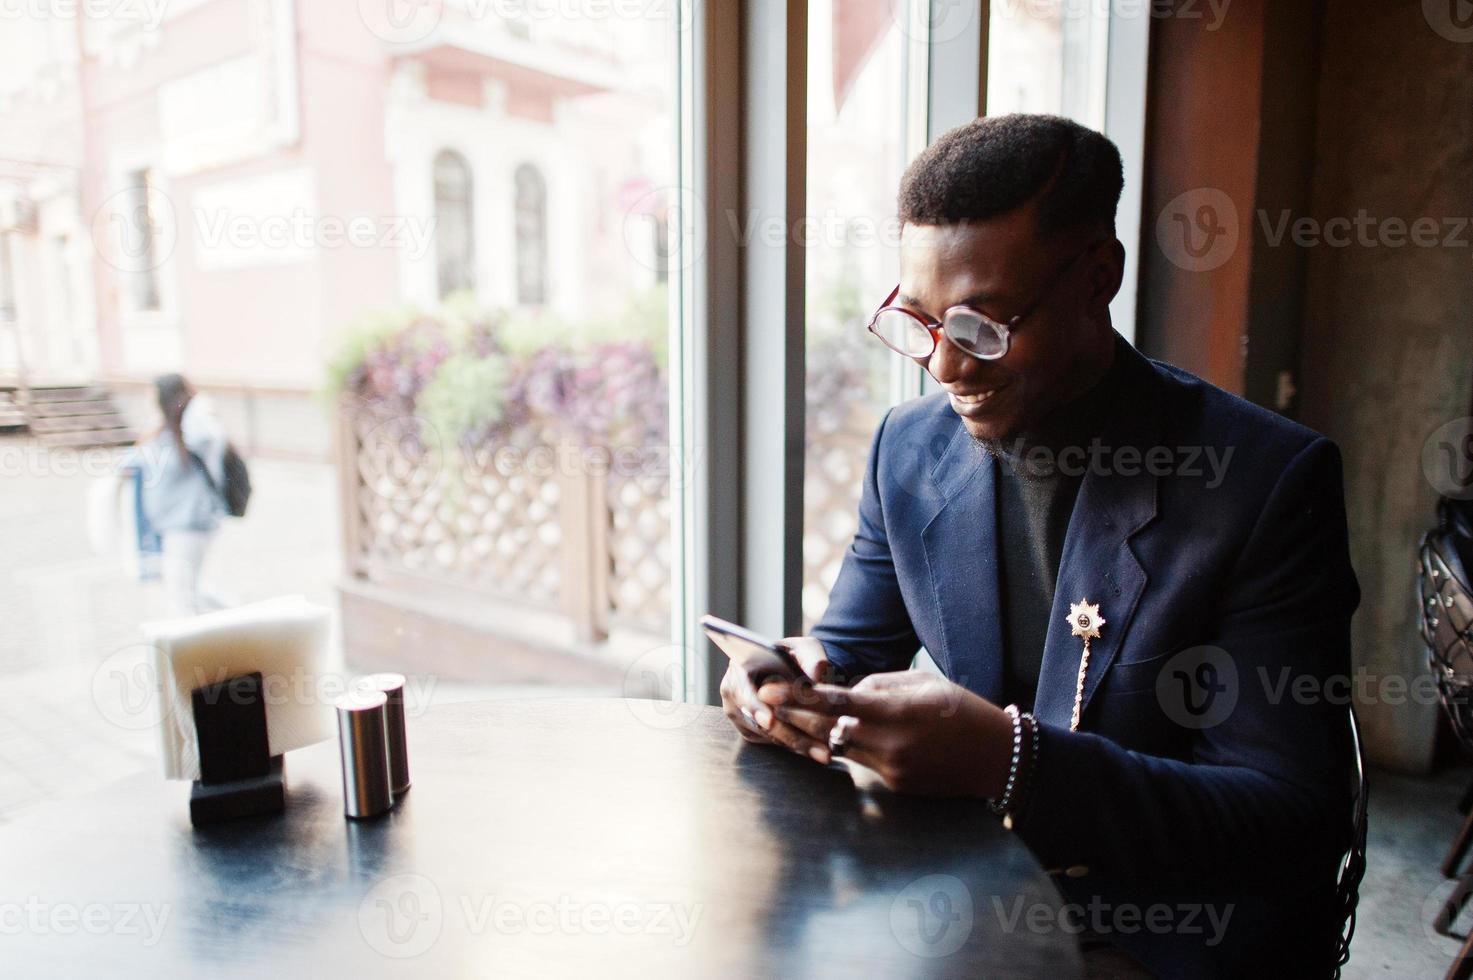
(455, 221)
(1048, 56)
(1082, 61)
(859, 73)
(531, 205)
(422, 269)
(390, 248)
(867, 103)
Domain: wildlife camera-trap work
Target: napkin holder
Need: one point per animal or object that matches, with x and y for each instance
(239, 777)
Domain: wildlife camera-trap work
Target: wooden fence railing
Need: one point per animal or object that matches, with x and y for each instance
(542, 522)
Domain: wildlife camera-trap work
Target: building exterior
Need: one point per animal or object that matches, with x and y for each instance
(222, 187)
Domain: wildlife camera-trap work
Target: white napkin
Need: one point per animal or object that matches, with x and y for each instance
(285, 639)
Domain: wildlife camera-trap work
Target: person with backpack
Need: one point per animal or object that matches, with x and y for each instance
(183, 469)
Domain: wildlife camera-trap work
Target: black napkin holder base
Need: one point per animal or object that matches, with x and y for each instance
(254, 796)
(238, 775)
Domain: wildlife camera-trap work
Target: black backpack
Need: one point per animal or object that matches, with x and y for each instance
(236, 492)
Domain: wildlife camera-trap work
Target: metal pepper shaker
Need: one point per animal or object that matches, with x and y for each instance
(364, 749)
(391, 685)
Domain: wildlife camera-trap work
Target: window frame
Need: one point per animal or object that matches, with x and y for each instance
(468, 204)
(538, 180)
(737, 314)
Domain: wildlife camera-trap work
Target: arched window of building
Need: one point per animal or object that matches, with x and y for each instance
(455, 242)
(531, 217)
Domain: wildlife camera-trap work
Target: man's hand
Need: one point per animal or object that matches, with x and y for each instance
(919, 731)
(753, 717)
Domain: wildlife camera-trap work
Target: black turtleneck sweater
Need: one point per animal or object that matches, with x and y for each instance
(1036, 490)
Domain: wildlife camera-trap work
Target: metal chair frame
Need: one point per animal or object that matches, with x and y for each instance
(1445, 615)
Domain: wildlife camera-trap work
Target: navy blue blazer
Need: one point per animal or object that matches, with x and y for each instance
(1198, 776)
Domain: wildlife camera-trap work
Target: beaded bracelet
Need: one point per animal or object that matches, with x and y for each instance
(1021, 786)
(1004, 803)
(1032, 765)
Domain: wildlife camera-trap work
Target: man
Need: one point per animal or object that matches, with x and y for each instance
(1063, 492)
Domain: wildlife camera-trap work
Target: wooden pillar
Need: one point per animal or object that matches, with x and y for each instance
(587, 563)
(1230, 142)
(345, 457)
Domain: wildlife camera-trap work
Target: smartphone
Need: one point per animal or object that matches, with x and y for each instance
(761, 658)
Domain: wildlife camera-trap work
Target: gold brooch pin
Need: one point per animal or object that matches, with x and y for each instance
(1085, 621)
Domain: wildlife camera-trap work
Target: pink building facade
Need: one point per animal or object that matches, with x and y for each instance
(223, 187)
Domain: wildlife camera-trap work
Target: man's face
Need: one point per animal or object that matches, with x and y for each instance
(1001, 267)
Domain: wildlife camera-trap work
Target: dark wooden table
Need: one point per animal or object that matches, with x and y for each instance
(541, 838)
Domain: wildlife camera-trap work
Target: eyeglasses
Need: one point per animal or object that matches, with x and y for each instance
(972, 331)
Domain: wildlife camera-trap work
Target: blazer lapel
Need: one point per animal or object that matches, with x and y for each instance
(960, 542)
(1098, 563)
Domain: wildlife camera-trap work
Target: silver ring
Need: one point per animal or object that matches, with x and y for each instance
(750, 719)
(840, 734)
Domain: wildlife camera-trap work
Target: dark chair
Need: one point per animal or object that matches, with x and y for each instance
(1353, 866)
(1442, 924)
(1446, 608)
